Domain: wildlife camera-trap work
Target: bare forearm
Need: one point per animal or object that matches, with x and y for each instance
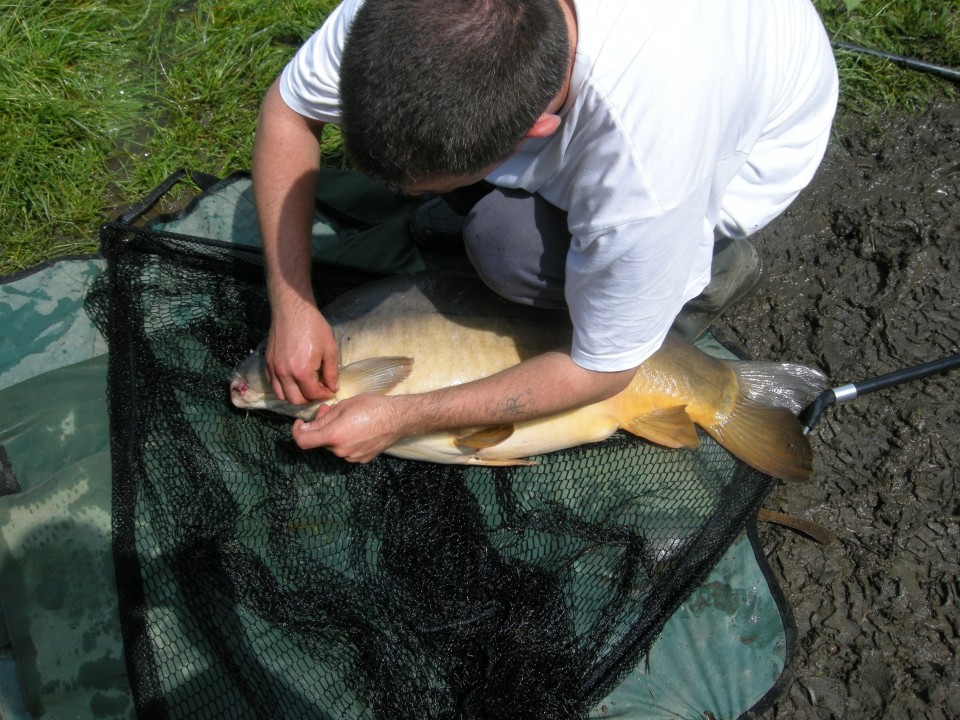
(285, 164)
(302, 352)
(544, 385)
(361, 427)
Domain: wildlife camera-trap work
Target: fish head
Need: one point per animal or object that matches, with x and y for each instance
(250, 389)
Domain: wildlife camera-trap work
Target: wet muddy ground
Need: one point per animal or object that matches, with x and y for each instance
(862, 277)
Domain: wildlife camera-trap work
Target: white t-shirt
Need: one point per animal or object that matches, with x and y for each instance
(682, 117)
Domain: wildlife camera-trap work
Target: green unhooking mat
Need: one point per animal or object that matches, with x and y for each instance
(255, 580)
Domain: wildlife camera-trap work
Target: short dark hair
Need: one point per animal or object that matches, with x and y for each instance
(445, 88)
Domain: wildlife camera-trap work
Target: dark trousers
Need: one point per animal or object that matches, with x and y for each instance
(517, 242)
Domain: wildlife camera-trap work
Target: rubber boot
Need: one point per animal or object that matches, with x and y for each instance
(735, 270)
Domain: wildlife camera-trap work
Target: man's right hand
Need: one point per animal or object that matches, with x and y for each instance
(302, 356)
(301, 350)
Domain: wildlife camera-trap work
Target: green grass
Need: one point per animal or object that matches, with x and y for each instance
(102, 99)
(61, 113)
(926, 31)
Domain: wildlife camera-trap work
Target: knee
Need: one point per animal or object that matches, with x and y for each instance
(490, 239)
(487, 247)
(503, 278)
(513, 252)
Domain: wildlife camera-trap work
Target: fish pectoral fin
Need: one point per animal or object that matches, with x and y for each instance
(671, 427)
(376, 375)
(306, 412)
(483, 437)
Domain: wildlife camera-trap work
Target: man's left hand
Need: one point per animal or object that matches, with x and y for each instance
(356, 429)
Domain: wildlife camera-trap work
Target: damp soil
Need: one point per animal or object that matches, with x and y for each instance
(862, 278)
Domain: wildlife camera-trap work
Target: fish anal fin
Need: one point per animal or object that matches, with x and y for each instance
(483, 437)
(670, 426)
(376, 375)
(769, 439)
(504, 462)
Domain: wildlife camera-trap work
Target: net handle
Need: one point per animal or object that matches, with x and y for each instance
(811, 414)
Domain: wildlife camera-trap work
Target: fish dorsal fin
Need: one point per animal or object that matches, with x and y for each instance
(376, 375)
(483, 437)
(671, 427)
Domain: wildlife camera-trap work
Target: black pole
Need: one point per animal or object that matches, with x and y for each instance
(914, 373)
(912, 63)
(811, 414)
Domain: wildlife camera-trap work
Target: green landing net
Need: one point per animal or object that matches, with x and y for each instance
(255, 580)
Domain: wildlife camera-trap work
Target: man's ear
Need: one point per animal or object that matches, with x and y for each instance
(544, 125)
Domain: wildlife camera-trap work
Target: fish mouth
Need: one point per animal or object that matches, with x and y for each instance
(238, 390)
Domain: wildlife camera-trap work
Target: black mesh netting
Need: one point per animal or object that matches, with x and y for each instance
(259, 581)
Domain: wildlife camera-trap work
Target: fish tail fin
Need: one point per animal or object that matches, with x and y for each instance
(787, 385)
(768, 439)
(763, 430)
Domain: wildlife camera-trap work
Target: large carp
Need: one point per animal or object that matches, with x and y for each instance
(416, 333)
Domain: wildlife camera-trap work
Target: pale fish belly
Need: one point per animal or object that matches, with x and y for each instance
(536, 437)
